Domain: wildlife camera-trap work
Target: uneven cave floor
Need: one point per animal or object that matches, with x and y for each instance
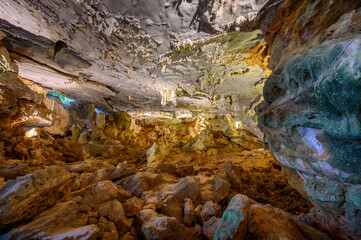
(252, 172)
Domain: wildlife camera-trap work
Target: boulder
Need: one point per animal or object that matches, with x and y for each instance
(172, 207)
(233, 224)
(61, 119)
(213, 188)
(100, 120)
(13, 169)
(209, 227)
(128, 236)
(230, 173)
(185, 188)
(88, 232)
(141, 182)
(157, 153)
(188, 212)
(88, 165)
(156, 226)
(114, 211)
(209, 210)
(183, 171)
(112, 174)
(267, 222)
(105, 151)
(98, 193)
(63, 219)
(26, 196)
(166, 168)
(132, 206)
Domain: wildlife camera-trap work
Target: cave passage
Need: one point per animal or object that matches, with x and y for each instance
(157, 119)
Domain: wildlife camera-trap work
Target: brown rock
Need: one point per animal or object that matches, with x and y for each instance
(166, 168)
(132, 206)
(185, 188)
(209, 227)
(141, 182)
(97, 193)
(128, 236)
(13, 169)
(267, 222)
(63, 219)
(114, 211)
(104, 191)
(209, 210)
(230, 173)
(172, 207)
(123, 195)
(29, 195)
(233, 224)
(89, 165)
(188, 212)
(112, 174)
(184, 171)
(157, 226)
(213, 188)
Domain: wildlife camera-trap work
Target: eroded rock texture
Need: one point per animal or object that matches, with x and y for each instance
(144, 55)
(311, 115)
(159, 137)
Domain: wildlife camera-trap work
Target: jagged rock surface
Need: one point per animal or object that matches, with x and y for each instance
(310, 115)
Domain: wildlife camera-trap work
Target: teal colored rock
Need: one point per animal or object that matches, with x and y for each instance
(233, 224)
(312, 123)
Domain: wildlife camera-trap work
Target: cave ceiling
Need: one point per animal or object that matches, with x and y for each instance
(142, 55)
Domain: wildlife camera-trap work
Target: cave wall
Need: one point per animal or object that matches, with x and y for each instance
(311, 114)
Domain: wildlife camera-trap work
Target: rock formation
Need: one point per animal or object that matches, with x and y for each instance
(172, 119)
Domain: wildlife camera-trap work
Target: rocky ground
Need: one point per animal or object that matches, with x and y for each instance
(113, 176)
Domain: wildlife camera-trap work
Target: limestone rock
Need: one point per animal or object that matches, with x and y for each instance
(233, 224)
(184, 171)
(141, 182)
(128, 236)
(88, 165)
(185, 188)
(100, 120)
(230, 173)
(157, 226)
(156, 154)
(89, 232)
(98, 193)
(13, 169)
(318, 125)
(213, 188)
(61, 119)
(114, 211)
(166, 168)
(26, 196)
(209, 227)
(62, 219)
(267, 222)
(132, 206)
(172, 207)
(188, 212)
(210, 210)
(105, 151)
(112, 174)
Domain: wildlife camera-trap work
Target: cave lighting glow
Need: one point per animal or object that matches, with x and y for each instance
(31, 133)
